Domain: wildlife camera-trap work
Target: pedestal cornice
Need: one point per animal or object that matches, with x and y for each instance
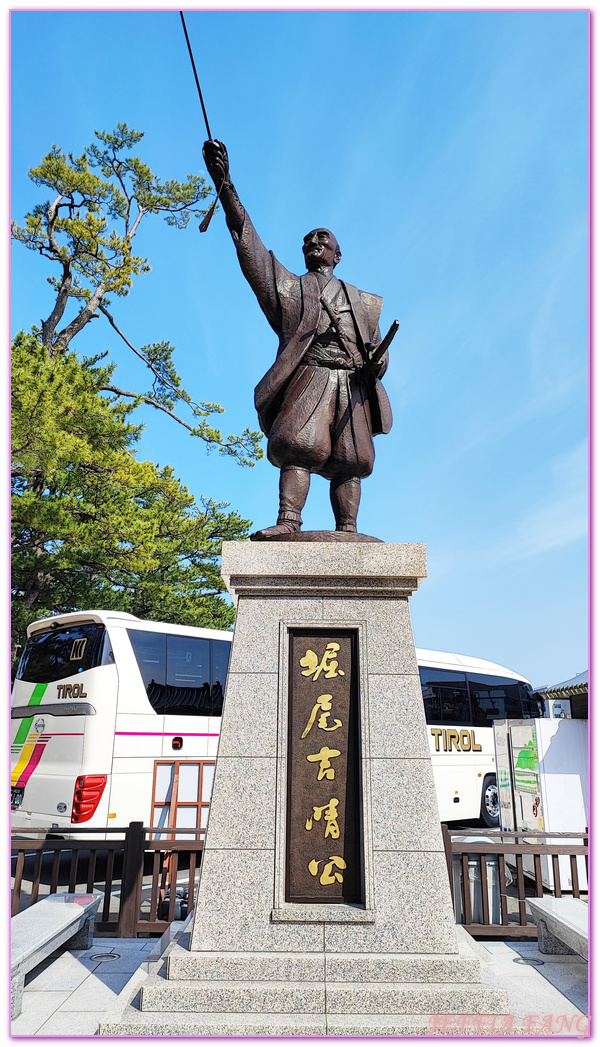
(390, 569)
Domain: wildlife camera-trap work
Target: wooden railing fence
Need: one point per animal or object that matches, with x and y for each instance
(137, 864)
(479, 877)
(118, 867)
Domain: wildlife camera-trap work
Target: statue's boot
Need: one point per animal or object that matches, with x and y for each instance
(294, 482)
(345, 500)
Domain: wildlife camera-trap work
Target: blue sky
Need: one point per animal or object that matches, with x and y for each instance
(448, 152)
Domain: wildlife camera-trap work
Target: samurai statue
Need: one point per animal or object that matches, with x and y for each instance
(322, 401)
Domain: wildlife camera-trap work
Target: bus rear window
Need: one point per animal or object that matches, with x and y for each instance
(63, 651)
(532, 706)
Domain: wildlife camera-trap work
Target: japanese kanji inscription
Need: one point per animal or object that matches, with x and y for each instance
(323, 860)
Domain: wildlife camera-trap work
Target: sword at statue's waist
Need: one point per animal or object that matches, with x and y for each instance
(384, 344)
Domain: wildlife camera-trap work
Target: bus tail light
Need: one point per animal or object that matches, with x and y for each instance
(87, 796)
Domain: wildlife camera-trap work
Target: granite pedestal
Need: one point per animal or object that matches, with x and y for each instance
(259, 964)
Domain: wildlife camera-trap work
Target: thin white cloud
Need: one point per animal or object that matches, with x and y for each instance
(552, 527)
(560, 522)
(549, 355)
(546, 402)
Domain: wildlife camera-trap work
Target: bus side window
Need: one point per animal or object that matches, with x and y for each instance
(431, 701)
(107, 657)
(188, 662)
(177, 673)
(493, 698)
(220, 651)
(150, 651)
(445, 696)
(188, 675)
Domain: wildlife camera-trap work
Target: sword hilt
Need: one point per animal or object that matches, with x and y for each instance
(384, 345)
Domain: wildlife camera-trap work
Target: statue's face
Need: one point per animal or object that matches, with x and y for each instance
(320, 248)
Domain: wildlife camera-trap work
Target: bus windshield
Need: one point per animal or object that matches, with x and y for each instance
(62, 652)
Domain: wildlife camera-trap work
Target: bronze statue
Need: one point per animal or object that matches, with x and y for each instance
(321, 402)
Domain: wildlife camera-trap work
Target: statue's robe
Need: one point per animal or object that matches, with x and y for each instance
(315, 404)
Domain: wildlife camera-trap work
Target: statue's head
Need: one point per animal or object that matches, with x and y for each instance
(320, 248)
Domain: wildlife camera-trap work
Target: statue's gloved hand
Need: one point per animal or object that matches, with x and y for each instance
(217, 161)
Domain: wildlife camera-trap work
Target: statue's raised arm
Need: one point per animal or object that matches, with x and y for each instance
(257, 263)
(217, 162)
(321, 402)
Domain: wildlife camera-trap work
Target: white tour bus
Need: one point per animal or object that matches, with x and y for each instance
(115, 719)
(462, 698)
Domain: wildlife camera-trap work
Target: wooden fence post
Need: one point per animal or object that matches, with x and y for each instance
(131, 881)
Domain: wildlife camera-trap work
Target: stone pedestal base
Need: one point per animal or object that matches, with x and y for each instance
(258, 964)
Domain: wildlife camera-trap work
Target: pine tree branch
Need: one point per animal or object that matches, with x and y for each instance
(87, 313)
(49, 326)
(134, 228)
(52, 215)
(211, 439)
(64, 293)
(161, 377)
(147, 400)
(137, 352)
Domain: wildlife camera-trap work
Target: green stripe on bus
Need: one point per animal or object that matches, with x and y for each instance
(38, 693)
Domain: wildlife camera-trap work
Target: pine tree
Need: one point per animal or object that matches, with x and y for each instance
(87, 232)
(92, 526)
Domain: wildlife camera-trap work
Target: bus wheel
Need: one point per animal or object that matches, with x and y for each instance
(490, 808)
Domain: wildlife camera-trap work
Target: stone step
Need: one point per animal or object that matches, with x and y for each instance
(305, 998)
(314, 967)
(390, 967)
(134, 1023)
(234, 996)
(244, 966)
(398, 998)
(427, 1025)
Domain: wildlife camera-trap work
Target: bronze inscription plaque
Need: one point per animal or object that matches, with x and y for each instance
(323, 860)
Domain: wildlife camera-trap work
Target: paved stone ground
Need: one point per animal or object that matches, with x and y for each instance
(70, 993)
(546, 1000)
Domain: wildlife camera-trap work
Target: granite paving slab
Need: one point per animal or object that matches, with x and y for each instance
(549, 991)
(64, 973)
(95, 993)
(37, 1007)
(72, 1023)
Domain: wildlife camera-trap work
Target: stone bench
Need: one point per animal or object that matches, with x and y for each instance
(37, 931)
(562, 925)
